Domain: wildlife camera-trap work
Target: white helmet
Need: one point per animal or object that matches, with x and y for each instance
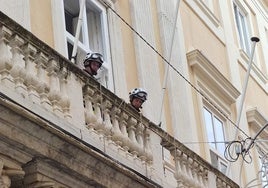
(138, 93)
(93, 57)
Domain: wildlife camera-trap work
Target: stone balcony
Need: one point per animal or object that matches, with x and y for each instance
(61, 128)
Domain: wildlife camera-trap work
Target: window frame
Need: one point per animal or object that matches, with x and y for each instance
(215, 139)
(61, 36)
(221, 93)
(216, 157)
(241, 19)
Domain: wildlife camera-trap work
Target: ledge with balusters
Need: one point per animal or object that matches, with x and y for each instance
(35, 76)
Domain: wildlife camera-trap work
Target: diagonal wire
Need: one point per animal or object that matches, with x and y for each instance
(166, 61)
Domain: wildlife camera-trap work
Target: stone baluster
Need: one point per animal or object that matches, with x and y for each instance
(54, 93)
(18, 71)
(5, 56)
(134, 146)
(190, 171)
(179, 172)
(107, 124)
(202, 175)
(90, 117)
(97, 109)
(185, 168)
(31, 79)
(123, 127)
(190, 168)
(196, 177)
(148, 149)
(116, 132)
(140, 140)
(42, 87)
(64, 98)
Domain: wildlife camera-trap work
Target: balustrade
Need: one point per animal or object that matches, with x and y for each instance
(43, 78)
(127, 132)
(32, 73)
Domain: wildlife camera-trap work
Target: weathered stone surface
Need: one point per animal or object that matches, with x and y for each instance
(58, 158)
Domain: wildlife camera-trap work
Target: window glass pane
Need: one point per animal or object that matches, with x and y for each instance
(94, 30)
(91, 37)
(71, 11)
(218, 127)
(223, 167)
(242, 28)
(209, 128)
(215, 133)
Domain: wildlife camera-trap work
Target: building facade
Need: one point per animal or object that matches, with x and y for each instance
(202, 62)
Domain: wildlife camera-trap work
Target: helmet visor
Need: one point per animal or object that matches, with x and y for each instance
(96, 56)
(141, 95)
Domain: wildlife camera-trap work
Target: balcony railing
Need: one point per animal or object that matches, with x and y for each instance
(35, 76)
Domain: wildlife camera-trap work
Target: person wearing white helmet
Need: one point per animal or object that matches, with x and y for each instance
(92, 63)
(137, 97)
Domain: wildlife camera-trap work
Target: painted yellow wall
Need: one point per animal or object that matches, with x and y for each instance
(129, 52)
(161, 66)
(255, 95)
(41, 24)
(128, 46)
(198, 36)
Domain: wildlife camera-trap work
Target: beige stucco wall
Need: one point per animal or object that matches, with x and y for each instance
(199, 36)
(41, 24)
(128, 46)
(255, 95)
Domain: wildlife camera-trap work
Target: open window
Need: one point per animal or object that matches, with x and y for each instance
(93, 34)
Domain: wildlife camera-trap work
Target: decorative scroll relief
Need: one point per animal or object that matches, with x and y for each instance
(7, 171)
(188, 172)
(34, 75)
(108, 121)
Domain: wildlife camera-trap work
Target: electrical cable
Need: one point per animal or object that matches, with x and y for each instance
(178, 72)
(216, 142)
(167, 67)
(244, 152)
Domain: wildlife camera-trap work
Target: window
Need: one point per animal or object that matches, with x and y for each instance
(93, 33)
(215, 112)
(215, 137)
(214, 129)
(242, 27)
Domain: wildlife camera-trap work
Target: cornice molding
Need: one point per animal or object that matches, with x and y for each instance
(255, 117)
(257, 120)
(212, 77)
